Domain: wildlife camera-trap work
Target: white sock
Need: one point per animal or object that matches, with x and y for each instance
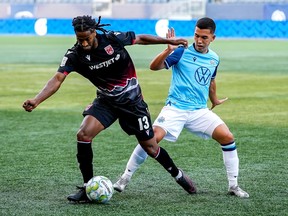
(231, 162)
(136, 159)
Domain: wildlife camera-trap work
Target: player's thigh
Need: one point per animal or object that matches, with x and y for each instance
(203, 122)
(159, 132)
(172, 121)
(222, 134)
(135, 120)
(97, 116)
(89, 128)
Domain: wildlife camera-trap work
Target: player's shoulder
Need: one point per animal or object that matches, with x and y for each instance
(213, 54)
(72, 51)
(123, 38)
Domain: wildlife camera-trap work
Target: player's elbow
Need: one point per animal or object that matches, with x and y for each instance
(155, 67)
(152, 67)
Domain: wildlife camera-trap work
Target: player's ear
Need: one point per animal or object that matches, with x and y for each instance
(213, 37)
(93, 31)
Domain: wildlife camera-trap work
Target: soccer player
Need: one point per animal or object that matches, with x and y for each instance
(193, 81)
(103, 60)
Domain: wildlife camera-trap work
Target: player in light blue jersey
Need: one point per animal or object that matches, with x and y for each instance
(193, 80)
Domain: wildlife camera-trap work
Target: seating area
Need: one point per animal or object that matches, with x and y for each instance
(134, 1)
(248, 1)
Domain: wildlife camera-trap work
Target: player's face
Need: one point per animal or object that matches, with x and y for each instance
(202, 39)
(86, 39)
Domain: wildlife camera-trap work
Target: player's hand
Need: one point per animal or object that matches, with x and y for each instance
(176, 41)
(29, 105)
(218, 102)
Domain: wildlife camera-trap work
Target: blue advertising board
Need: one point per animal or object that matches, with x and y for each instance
(225, 28)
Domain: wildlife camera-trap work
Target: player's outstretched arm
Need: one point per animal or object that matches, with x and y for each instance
(212, 95)
(49, 89)
(146, 39)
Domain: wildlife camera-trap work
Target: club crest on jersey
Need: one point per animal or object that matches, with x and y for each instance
(87, 57)
(161, 119)
(109, 50)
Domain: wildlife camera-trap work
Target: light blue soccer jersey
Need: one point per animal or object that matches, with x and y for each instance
(191, 76)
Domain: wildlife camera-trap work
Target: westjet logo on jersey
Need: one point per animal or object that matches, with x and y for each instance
(87, 57)
(105, 63)
(202, 75)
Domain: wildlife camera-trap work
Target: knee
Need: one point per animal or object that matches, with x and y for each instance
(151, 148)
(223, 136)
(83, 135)
(229, 137)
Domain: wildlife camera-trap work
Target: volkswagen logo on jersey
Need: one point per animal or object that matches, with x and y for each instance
(202, 75)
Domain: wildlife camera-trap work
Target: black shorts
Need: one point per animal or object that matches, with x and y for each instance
(134, 118)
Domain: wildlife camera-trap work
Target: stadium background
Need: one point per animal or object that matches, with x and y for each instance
(239, 19)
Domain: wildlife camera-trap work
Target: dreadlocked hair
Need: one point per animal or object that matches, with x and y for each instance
(86, 23)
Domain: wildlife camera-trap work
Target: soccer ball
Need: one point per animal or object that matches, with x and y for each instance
(99, 189)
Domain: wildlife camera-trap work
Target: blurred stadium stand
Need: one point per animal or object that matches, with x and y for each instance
(240, 19)
(142, 9)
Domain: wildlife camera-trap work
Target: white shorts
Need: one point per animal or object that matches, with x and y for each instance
(200, 122)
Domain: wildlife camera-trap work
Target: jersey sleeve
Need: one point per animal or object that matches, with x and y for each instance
(214, 74)
(215, 71)
(66, 66)
(125, 38)
(174, 57)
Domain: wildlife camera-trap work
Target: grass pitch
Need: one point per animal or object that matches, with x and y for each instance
(37, 157)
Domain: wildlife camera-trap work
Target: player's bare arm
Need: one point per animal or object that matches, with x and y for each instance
(212, 95)
(49, 89)
(158, 62)
(145, 39)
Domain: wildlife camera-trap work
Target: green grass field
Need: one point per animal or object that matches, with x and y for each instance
(37, 157)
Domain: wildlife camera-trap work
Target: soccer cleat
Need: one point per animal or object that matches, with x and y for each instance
(237, 191)
(186, 183)
(80, 196)
(121, 184)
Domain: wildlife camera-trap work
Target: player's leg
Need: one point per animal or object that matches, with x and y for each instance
(137, 158)
(207, 124)
(89, 128)
(139, 124)
(97, 118)
(162, 156)
(225, 138)
(171, 132)
(169, 125)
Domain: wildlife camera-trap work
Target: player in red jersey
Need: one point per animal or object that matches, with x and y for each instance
(103, 60)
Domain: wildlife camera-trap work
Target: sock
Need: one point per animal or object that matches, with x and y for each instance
(231, 162)
(165, 160)
(85, 158)
(136, 159)
(180, 174)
